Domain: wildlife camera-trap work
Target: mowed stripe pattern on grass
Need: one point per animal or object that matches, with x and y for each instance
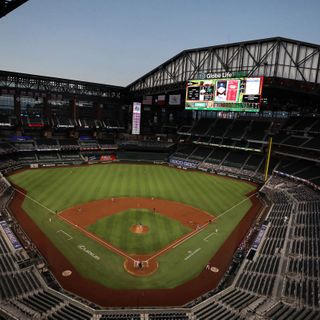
(115, 229)
(64, 187)
(61, 188)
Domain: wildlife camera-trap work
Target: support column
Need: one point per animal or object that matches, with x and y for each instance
(17, 106)
(268, 160)
(98, 108)
(47, 108)
(74, 110)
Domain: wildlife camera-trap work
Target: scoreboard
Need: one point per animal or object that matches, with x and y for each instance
(225, 94)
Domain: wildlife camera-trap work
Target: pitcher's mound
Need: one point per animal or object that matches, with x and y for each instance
(138, 228)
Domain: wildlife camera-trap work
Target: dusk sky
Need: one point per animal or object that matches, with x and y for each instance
(117, 41)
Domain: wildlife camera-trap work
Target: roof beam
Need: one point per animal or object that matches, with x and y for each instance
(6, 6)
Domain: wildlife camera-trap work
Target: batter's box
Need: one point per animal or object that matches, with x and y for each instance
(66, 234)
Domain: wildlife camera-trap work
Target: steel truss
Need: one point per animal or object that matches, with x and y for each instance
(6, 6)
(273, 57)
(20, 83)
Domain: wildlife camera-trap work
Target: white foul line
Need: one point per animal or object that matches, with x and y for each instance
(178, 242)
(92, 236)
(207, 237)
(191, 254)
(81, 229)
(35, 201)
(224, 212)
(190, 235)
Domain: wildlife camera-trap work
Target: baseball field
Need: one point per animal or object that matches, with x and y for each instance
(101, 216)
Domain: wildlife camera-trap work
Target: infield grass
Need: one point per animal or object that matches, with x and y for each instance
(61, 188)
(115, 229)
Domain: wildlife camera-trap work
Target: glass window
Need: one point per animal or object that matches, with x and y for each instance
(6, 104)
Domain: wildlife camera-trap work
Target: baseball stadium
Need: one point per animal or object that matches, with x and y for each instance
(191, 193)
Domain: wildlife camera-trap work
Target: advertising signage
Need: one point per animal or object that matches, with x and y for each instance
(225, 94)
(136, 117)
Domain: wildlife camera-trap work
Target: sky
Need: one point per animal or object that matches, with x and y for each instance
(117, 41)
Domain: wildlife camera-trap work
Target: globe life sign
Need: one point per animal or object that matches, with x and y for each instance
(220, 75)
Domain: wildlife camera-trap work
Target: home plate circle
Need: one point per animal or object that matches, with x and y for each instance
(66, 273)
(214, 269)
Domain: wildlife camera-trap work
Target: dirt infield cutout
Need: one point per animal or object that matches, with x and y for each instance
(81, 216)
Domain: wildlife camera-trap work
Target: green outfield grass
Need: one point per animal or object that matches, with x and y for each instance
(61, 188)
(116, 230)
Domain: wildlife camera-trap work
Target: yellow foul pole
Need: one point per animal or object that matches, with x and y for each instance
(268, 160)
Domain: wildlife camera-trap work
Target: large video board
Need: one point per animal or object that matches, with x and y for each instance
(225, 94)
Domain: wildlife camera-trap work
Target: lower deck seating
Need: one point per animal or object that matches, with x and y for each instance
(128, 316)
(146, 156)
(254, 162)
(235, 159)
(44, 156)
(217, 155)
(71, 312)
(18, 283)
(237, 299)
(70, 155)
(184, 151)
(216, 311)
(168, 316)
(286, 312)
(200, 153)
(41, 302)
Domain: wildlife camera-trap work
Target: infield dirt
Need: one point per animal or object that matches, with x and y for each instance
(83, 215)
(107, 297)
